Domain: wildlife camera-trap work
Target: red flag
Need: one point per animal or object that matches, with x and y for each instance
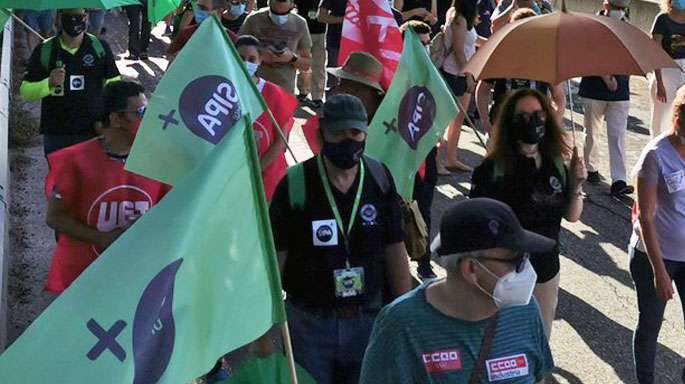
(369, 26)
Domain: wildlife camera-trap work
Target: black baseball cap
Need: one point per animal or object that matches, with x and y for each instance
(482, 223)
(343, 111)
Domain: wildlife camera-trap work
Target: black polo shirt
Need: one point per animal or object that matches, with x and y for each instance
(75, 112)
(308, 9)
(308, 272)
(538, 198)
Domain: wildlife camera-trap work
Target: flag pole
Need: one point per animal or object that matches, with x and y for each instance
(20, 21)
(280, 132)
(285, 331)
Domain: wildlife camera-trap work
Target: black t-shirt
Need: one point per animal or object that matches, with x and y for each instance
(234, 25)
(593, 87)
(502, 88)
(308, 272)
(538, 198)
(673, 33)
(308, 10)
(86, 71)
(485, 9)
(335, 8)
(408, 5)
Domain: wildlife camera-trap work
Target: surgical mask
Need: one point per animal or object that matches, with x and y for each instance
(344, 154)
(617, 14)
(237, 10)
(530, 128)
(200, 15)
(678, 5)
(514, 288)
(251, 67)
(278, 19)
(73, 25)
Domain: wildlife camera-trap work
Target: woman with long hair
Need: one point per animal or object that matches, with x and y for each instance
(669, 31)
(460, 40)
(526, 170)
(657, 247)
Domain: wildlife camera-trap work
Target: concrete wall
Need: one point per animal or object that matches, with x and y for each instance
(642, 12)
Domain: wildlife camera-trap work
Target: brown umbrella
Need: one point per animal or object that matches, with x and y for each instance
(562, 45)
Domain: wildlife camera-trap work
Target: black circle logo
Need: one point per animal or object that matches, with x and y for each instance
(324, 233)
(210, 107)
(416, 115)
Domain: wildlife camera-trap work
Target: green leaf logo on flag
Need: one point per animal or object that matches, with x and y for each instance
(412, 117)
(194, 278)
(194, 107)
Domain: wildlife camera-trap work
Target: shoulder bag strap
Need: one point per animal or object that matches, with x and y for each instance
(484, 349)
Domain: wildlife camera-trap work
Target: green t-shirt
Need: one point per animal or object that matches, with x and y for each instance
(412, 342)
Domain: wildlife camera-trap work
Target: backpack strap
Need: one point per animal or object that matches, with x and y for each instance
(377, 170)
(45, 53)
(296, 187)
(97, 46)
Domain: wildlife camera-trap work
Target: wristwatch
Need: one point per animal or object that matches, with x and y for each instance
(294, 59)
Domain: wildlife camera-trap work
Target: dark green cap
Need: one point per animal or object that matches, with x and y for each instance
(343, 111)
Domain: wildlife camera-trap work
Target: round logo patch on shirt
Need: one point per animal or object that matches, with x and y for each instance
(210, 107)
(369, 214)
(555, 184)
(88, 60)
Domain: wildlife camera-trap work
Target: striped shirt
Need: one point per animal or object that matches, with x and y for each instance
(412, 342)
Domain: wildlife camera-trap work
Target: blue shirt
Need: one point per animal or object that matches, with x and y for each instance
(414, 343)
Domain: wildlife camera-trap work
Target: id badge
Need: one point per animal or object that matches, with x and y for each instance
(675, 181)
(348, 282)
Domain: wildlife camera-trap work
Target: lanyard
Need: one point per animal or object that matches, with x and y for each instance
(334, 205)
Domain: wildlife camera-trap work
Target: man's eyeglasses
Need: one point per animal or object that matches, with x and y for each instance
(140, 111)
(518, 262)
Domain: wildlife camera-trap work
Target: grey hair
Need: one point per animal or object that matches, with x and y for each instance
(451, 262)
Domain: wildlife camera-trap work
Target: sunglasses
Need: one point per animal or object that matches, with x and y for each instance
(140, 111)
(525, 118)
(518, 262)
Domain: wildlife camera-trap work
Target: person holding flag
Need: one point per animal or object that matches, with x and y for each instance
(338, 232)
(203, 10)
(92, 200)
(269, 143)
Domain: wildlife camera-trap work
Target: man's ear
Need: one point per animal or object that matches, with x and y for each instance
(467, 269)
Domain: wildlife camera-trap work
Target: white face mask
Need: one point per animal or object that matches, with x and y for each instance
(278, 19)
(251, 67)
(513, 289)
(617, 14)
(428, 49)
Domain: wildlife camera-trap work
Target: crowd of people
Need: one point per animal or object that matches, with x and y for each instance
(337, 218)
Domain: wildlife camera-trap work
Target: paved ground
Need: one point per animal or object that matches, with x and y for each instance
(597, 309)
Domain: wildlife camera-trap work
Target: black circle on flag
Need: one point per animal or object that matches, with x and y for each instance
(416, 115)
(210, 107)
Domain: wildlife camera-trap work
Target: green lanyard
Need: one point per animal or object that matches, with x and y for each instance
(334, 205)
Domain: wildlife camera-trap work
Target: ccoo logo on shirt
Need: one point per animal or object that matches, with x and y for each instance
(118, 207)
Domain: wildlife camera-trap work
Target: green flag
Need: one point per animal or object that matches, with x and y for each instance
(412, 117)
(192, 279)
(204, 94)
(270, 370)
(5, 15)
(157, 10)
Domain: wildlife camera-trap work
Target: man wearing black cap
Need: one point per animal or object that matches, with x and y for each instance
(338, 231)
(477, 325)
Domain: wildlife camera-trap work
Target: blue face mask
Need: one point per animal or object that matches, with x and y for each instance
(237, 10)
(251, 67)
(678, 5)
(278, 19)
(536, 9)
(200, 15)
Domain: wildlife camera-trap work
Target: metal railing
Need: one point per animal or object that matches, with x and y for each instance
(5, 94)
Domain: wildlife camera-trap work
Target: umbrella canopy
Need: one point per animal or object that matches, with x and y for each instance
(40, 5)
(563, 45)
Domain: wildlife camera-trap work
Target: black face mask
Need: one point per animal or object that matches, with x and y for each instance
(530, 128)
(73, 25)
(344, 154)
